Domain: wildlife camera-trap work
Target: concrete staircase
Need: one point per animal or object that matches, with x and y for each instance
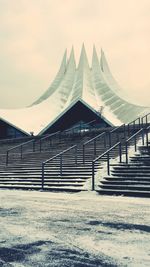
(26, 173)
(132, 179)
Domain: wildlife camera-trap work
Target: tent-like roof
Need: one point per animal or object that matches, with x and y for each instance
(94, 86)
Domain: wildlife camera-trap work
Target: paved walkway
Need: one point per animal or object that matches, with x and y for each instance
(74, 230)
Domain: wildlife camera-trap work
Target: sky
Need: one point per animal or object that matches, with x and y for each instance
(35, 33)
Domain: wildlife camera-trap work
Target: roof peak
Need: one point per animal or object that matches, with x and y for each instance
(83, 60)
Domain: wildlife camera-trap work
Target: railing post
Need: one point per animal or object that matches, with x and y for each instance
(146, 137)
(135, 143)
(126, 149)
(83, 153)
(120, 153)
(90, 130)
(93, 176)
(61, 165)
(108, 164)
(40, 145)
(124, 131)
(59, 137)
(134, 125)
(50, 142)
(142, 122)
(128, 129)
(143, 137)
(105, 140)
(33, 145)
(109, 136)
(72, 131)
(75, 155)
(94, 147)
(117, 137)
(21, 152)
(139, 123)
(80, 128)
(146, 120)
(7, 156)
(43, 167)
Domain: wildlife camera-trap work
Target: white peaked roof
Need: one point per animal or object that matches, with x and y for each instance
(94, 86)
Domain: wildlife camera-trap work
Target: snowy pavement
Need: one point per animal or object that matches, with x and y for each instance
(73, 230)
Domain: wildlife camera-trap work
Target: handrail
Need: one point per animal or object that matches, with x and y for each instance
(131, 137)
(146, 119)
(118, 144)
(12, 148)
(21, 146)
(15, 139)
(134, 136)
(133, 122)
(141, 131)
(107, 151)
(61, 161)
(116, 131)
(61, 153)
(147, 130)
(93, 139)
(47, 137)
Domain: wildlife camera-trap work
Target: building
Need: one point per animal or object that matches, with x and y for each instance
(78, 94)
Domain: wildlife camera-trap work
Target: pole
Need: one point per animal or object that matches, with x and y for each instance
(120, 152)
(7, 155)
(93, 177)
(43, 167)
(83, 153)
(126, 152)
(61, 165)
(108, 165)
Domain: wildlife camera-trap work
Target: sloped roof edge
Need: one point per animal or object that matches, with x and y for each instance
(14, 126)
(67, 109)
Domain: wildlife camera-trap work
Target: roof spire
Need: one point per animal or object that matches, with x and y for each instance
(83, 61)
(95, 61)
(103, 61)
(55, 82)
(72, 58)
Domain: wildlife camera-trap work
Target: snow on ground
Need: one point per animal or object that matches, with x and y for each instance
(77, 230)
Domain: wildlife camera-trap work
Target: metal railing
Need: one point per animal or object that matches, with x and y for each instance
(20, 147)
(116, 131)
(94, 140)
(144, 124)
(147, 132)
(133, 125)
(130, 126)
(60, 156)
(106, 153)
(104, 135)
(133, 137)
(49, 138)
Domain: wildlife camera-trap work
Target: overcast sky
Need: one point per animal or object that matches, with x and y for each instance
(35, 33)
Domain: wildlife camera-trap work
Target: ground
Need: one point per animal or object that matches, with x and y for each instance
(73, 230)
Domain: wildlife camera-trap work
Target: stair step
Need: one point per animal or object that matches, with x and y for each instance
(130, 193)
(72, 180)
(46, 188)
(126, 187)
(48, 183)
(113, 178)
(129, 174)
(127, 182)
